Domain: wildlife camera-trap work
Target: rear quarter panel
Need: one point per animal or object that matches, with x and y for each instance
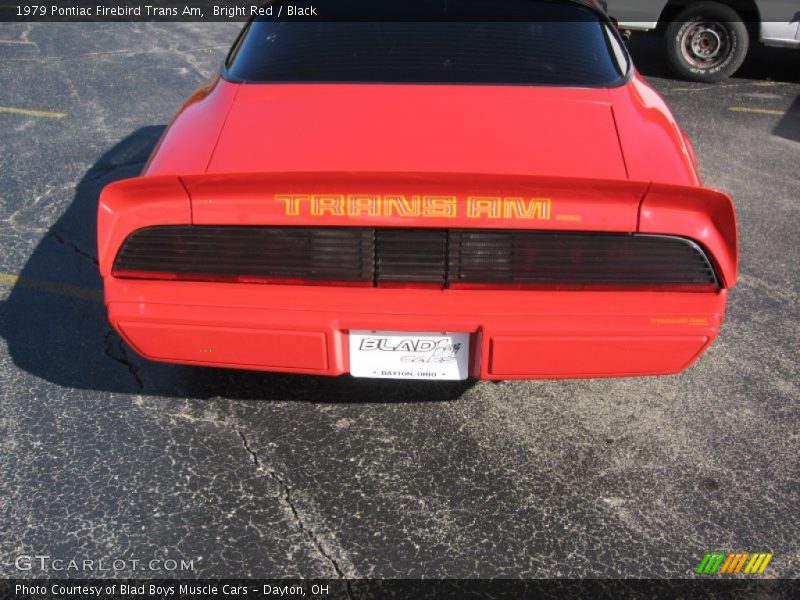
(653, 144)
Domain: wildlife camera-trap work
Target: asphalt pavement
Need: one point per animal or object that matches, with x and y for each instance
(104, 455)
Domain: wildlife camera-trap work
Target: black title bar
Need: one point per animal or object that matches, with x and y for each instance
(398, 589)
(299, 10)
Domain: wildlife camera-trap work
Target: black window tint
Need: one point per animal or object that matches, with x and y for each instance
(535, 52)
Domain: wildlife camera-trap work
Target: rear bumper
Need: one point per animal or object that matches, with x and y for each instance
(514, 334)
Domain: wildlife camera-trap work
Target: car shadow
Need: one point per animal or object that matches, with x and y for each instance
(762, 62)
(789, 125)
(54, 322)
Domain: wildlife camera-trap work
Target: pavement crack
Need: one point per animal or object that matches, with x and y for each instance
(61, 240)
(122, 358)
(297, 517)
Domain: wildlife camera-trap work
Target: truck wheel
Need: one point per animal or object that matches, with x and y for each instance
(706, 42)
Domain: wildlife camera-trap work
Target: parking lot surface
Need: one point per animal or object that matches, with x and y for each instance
(104, 455)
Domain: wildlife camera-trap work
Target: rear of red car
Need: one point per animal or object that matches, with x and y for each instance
(434, 200)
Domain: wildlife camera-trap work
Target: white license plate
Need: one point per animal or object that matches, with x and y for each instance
(409, 355)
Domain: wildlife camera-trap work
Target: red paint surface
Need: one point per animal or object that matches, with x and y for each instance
(410, 128)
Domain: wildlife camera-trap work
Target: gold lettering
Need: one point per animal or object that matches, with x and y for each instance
(332, 204)
(440, 206)
(517, 208)
(374, 205)
(291, 203)
(478, 206)
(360, 203)
(401, 206)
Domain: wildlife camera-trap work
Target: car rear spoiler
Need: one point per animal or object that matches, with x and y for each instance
(421, 200)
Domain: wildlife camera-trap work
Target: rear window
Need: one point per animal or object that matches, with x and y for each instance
(558, 44)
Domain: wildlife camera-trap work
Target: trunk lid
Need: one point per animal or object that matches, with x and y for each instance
(498, 130)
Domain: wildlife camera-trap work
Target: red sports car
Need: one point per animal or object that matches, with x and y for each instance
(490, 191)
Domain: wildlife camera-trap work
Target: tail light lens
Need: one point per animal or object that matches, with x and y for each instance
(525, 258)
(416, 257)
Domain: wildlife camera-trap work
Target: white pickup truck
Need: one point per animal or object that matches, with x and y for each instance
(707, 40)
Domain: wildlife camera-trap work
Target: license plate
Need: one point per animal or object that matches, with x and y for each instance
(409, 355)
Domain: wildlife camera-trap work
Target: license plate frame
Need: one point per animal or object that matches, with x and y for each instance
(418, 355)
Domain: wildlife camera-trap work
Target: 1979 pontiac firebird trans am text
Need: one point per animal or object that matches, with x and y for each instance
(421, 199)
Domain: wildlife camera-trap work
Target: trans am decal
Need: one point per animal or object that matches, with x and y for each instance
(396, 205)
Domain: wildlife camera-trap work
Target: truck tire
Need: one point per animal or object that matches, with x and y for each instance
(706, 42)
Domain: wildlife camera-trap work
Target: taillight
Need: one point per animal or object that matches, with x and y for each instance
(256, 254)
(457, 258)
(544, 259)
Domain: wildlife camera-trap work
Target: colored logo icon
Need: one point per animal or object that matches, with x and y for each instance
(734, 563)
